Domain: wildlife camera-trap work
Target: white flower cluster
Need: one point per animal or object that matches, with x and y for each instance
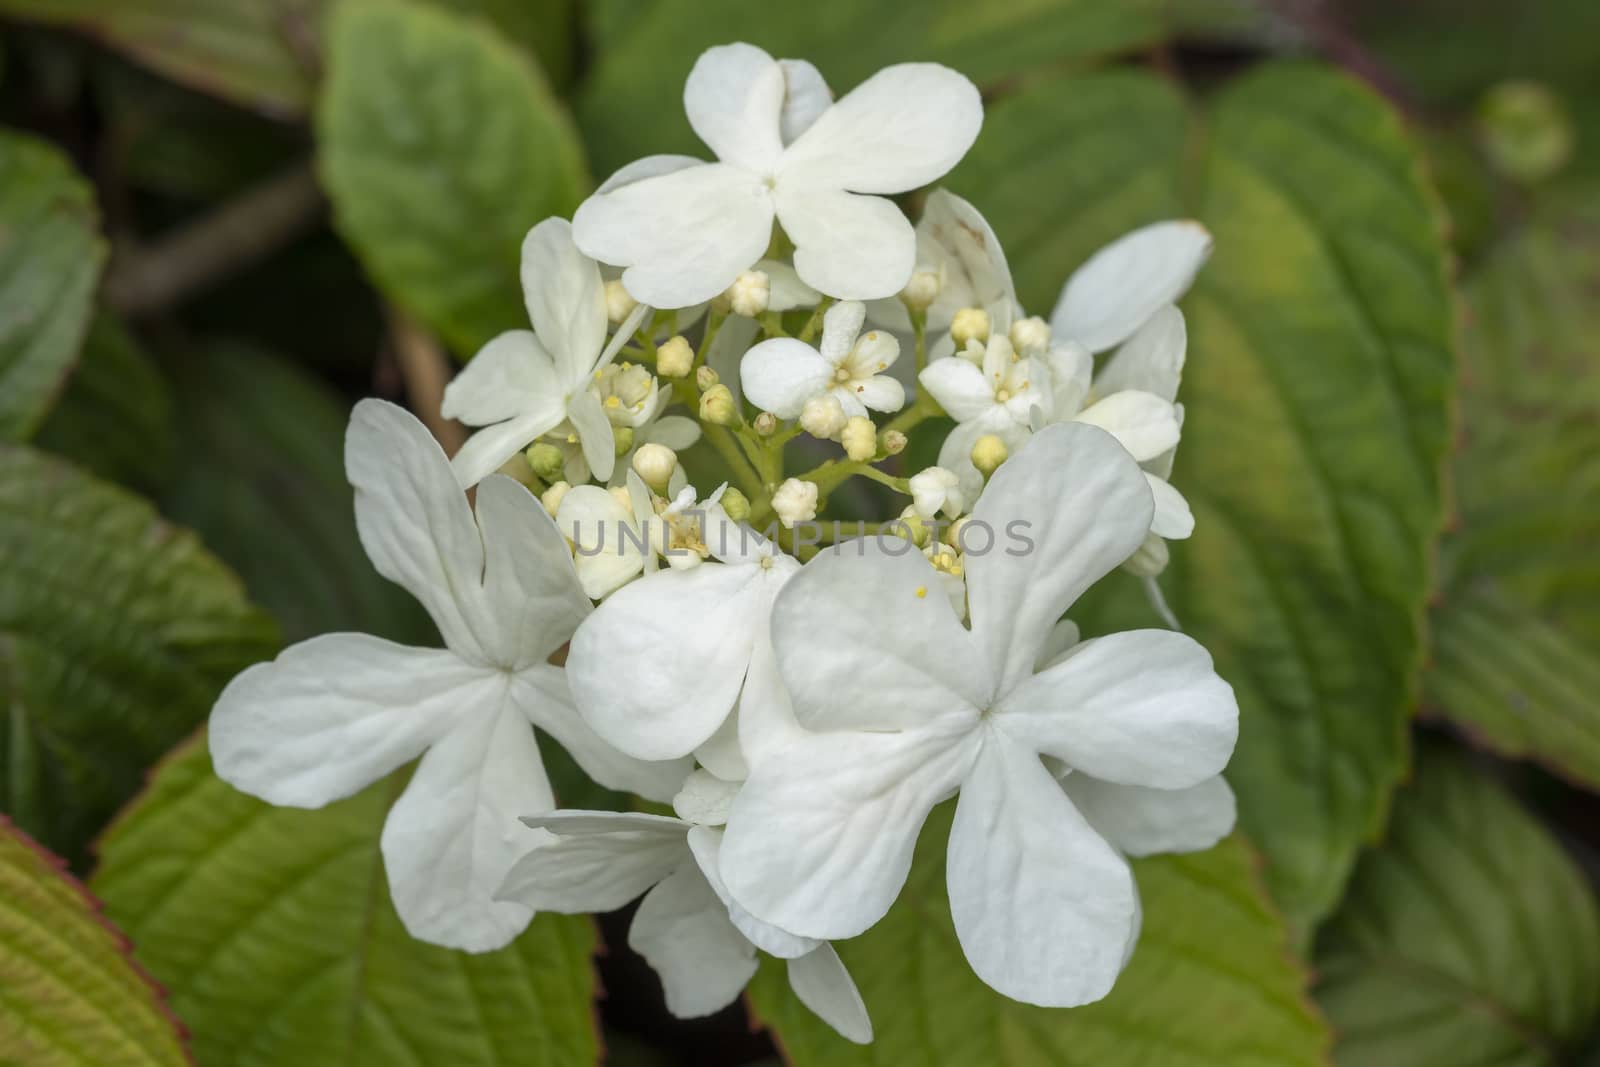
(803, 707)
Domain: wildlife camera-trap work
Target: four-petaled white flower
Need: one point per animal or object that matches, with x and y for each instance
(779, 375)
(333, 714)
(700, 943)
(524, 384)
(685, 229)
(819, 842)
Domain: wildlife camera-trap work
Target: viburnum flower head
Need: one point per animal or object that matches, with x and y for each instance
(686, 229)
(525, 384)
(819, 841)
(333, 714)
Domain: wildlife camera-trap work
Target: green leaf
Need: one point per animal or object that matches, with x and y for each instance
(1469, 937)
(50, 257)
(1317, 398)
(441, 147)
(1517, 622)
(117, 631)
(1211, 983)
(273, 930)
(632, 103)
(73, 995)
(261, 479)
(115, 418)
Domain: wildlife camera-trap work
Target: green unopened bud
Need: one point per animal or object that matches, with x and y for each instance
(766, 424)
(860, 438)
(988, 452)
(546, 460)
(735, 504)
(1525, 130)
(1150, 559)
(893, 442)
(674, 358)
(623, 436)
(705, 378)
(717, 406)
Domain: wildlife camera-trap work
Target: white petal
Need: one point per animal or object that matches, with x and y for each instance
(1173, 519)
(705, 799)
(865, 641)
(1064, 637)
(820, 981)
(729, 346)
(1129, 280)
(952, 232)
(779, 375)
(1143, 708)
(333, 714)
(901, 128)
(880, 393)
(531, 591)
(720, 752)
(1145, 424)
(706, 844)
(766, 720)
(848, 246)
(684, 236)
(806, 96)
(656, 669)
(841, 325)
(677, 432)
(596, 860)
(453, 835)
(1043, 907)
(1151, 360)
(1145, 822)
(1065, 510)
(819, 842)
(511, 376)
(683, 932)
(649, 167)
(541, 693)
(785, 290)
(594, 432)
(487, 450)
(414, 520)
(609, 546)
(733, 98)
(566, 300)
(959, 387)
(1071, 369)
(874, 353)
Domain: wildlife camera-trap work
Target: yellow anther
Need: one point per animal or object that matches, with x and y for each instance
(922, 592)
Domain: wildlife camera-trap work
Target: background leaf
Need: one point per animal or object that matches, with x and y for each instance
(1318, 410)
(1210, 983)
(441, 146)
(73, 995)
(116, 633)
(273, 930)
(50, 257)
(1468, 937)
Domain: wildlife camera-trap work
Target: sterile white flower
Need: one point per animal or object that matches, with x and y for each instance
(819, 842)
(658, 666)
(795, 501)
(685, 229)
(523, 384)
(934, 490)
(700, 943)
(614, 532)
(1121, 286)
(989, 390)
(780, 374)
(333, 714)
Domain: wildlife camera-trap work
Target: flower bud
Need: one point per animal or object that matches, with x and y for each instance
(1525, 130)
(735, 504)
(1149, 559)
(1030, 335)
(623, 437)
(921, 291)
(655, 464)
(766, 424)
(705, 378)
(970, 324)
(988, 452)
(717, 406)
(934, 490)
(750, 293)
(619, 303)
(546, 460)
(674, 359)
(619, 493)
(552, 497)
(893, 442)
(913, 525)
(823, 417)
(795, 501)
(859, 437)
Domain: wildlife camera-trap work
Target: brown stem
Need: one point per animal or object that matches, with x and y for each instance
(241, 232)
(426, 370)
